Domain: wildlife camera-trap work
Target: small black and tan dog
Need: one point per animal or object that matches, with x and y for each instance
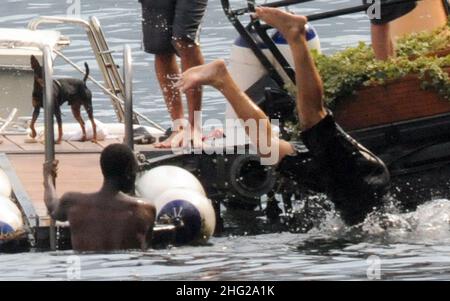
(72, 90)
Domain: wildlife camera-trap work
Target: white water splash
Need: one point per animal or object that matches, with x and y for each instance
(428, 224)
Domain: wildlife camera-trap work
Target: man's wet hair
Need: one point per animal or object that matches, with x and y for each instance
(117, 160)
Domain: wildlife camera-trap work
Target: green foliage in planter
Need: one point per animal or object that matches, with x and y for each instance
(346, 71)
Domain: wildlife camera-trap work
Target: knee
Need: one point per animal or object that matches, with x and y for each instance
(184, 46)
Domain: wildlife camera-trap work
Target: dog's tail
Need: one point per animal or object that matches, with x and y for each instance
(87, 73)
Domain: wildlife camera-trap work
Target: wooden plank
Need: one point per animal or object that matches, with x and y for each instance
(86, 146)
(20, 141)
(105, 143)
(8, 146)
(77, 172)
(64, 147)
(16, 144)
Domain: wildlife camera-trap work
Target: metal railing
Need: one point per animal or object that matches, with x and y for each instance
(128, 80)
(114, 84)
(106, 91)
(49, 108)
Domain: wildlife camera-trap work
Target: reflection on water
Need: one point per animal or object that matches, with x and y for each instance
(415, 245)
(410, 246)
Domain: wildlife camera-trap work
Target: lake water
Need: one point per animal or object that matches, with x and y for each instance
(413, 246)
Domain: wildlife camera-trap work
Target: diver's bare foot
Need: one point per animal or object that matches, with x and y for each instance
(210, 74)
(291, 26)
(175, 140)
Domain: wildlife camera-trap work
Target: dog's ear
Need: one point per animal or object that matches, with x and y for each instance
(34, 63)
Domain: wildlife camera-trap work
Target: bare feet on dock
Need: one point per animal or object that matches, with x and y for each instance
(291, 26)
(206, 75)
(182, 138)
(175, 140)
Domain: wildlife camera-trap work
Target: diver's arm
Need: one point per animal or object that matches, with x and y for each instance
(255, 121)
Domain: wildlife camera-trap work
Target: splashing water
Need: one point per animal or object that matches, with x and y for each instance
(428, 224)
(414, 245)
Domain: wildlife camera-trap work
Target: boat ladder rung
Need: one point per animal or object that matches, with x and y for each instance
(108, 51)
(109, 65)
(115, 91)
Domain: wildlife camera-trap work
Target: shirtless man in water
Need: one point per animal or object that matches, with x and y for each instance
(108, 219)
(354, 178)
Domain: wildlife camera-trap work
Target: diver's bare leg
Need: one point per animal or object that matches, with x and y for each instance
(311, 108)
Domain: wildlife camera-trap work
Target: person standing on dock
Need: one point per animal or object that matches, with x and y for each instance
(382, 43)
(171, 28)
(109, 219)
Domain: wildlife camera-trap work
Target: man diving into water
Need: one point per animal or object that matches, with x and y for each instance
(108, 219)
(354, 178)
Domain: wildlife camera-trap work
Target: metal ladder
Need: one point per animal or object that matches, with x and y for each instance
(108, 67)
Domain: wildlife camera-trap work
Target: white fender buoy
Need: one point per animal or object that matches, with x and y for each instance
(190, 209)
(5, 185)
(151, 184)
(10, 217)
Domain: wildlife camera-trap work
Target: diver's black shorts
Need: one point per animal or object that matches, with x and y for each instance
(354, 178)
(391, 13)
(165, 21)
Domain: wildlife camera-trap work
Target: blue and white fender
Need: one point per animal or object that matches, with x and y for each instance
(191, 210)
(179, 198)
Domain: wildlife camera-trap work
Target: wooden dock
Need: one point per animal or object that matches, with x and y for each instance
(79, 166)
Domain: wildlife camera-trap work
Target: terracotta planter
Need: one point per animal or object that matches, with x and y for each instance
(399, 100)
(440, 53)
